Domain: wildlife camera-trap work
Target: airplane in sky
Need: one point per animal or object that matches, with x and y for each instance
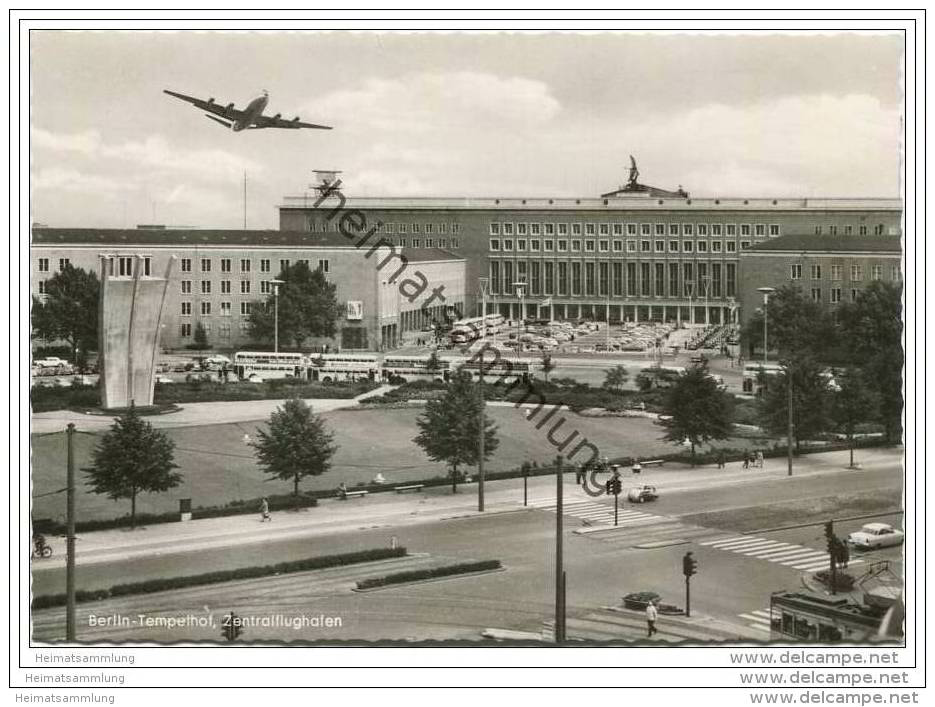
(250, 118)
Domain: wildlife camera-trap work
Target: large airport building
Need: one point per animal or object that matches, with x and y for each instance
(637, 253)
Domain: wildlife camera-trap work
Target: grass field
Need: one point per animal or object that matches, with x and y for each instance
(217, 465)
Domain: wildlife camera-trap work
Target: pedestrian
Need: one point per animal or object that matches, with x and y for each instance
(264, 511)
(637, 467)
(579, 475)
(759, 459)
(746, 460)
(720, 460)
(651, 615)
(342, 491)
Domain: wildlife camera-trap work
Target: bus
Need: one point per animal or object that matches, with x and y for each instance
(663, 376)
(467, 330)
(268, 365)
(330, 367)
(415, 368)
(804, 616)
(751, 376)
(504, 369)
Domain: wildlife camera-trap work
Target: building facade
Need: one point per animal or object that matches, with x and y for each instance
(220, 275)
(831, 270)
(627, 256)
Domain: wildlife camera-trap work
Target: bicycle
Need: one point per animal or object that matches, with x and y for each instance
(41, 550)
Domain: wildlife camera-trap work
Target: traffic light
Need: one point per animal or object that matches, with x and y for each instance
(689, 565)
(230, 627)
(613, 486)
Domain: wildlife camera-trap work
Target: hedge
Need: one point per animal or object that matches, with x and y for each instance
(163, 584)
(47, 526)
(417, 575)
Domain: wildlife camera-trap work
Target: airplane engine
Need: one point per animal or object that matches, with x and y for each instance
(277, 116)
(211, 100)
(296, 119)
(229, 106)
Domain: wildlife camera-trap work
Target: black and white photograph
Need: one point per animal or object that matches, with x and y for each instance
(495, 338)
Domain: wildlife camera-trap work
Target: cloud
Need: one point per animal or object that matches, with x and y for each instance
(72, 180)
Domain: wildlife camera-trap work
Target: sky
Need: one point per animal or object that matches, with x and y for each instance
(529, 115)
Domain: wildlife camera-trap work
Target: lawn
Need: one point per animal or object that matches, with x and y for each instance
(218, 466)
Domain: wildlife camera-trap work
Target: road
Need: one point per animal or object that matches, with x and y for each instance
(734, 579)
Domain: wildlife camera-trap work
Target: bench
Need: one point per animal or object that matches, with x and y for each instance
(412, 487)
(654, 462)
(344, 495)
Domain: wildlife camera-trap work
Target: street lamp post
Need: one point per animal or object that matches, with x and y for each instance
(276, 284)
(767, 291)
(484, 282)
(690, 286)
(520, 287)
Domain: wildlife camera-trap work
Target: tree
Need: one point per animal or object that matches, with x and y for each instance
(615, 378)
(871, 330)
(852, 404)
(433, 363)
(797, 325)
(450, 427)
(811, 398)
(133, 458)
(696, 409)
(548, 365)
(308, 307)
(70, 309)
(296, 444)
(201, 337)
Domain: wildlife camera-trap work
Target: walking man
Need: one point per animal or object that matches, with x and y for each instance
(264, 511)
(651, 615)
(759, 459)
(720, 460)
(746, 460)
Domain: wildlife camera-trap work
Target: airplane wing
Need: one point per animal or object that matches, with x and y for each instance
(228, 112)
(274, 121)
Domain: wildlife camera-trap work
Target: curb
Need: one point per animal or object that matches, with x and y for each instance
(822, 522)
(426, 581)
(662, 543)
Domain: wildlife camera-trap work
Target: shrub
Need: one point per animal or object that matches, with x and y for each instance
(166, 583)
(432, 573)
(843, 582)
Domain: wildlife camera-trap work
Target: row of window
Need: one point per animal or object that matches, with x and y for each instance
(246, 264)
(44, 264)
(633, 229)
(837, 272)
(835, 295)
(325, 226)
(246, 287)
(428, 243)
(224, 329)
(615, 278)
(848, 230)
(225, 310)
(574, 245)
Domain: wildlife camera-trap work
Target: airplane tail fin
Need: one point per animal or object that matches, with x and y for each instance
(218, 120)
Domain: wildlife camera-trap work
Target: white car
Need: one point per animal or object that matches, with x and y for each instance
(874, 535)
(165, 380)
(51, 362)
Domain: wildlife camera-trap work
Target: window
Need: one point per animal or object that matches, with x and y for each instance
(206, 287)
(816, 273)
(673, 231)
(224, 331)
(283, 264)
(659, 281)
(401, 228)
(876, 273)
(660, 246)
(521, 229)
(730, 229)
(225, 264)
(589, 246)
(415, 228)
(702, 229)
(759, 230)
(226, 311)
(147, 266)
(225, 287)
(562, 278)
(562, 245)
(854, 294)
(631, 229)
(731, 279)
(702, 246)
(548, 245)
(618, 279)
(618, 246)
(430, 243)
(731, 247)
(563, 229)
(745, 229)
(265, 287)
(646, 229)
(187, 289)
(494, 231)
(402, 242)
(715, 279)
(186, 329)
(817, 230)
(205, 308)
(535, 284)
(833, 230)
(428, 228)
(660, 229)
(549, 277)
(187, 311)
(631, 246)
(589, 229)
(124, 266)
(673, 248)
(645, 282)
(535, 229)
(646, 246)
(494, 245)
(575, 245)
(796, 272)
(455, 242)
(605, 229)
(716, 246)
(604, 248)
(44, 267)
(816, 294)
(687, 229)
(589, 278)
(550, 229)
(717, 230)
(631, 279)
(837, 272)
(245, 287)
(245, 267)
(63, 263)
(835, 296)
(774, 229)
(862, 230)
(245, 309)
(264, 265)
(848, 230)
(618, 229)
(576, 229)
(325, 266)
(744, 245)
(206, 265)
(895, 273)
(673, 279)
(520, 245)
(576, 278)
(688, 246)
(857, 272)
(507, 229)
(494, 276)
(507, 244)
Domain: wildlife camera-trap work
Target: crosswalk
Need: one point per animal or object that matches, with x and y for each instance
(799, 557)
(594, 513)
(757, 620)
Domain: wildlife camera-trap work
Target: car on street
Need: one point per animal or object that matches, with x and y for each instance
(642, 494)
(874, 535)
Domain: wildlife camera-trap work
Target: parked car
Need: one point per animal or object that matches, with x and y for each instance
(642, 494)
(640, 600)
(51, 362)
(874, 535)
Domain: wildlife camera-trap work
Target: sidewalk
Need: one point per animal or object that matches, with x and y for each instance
(388, 509)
